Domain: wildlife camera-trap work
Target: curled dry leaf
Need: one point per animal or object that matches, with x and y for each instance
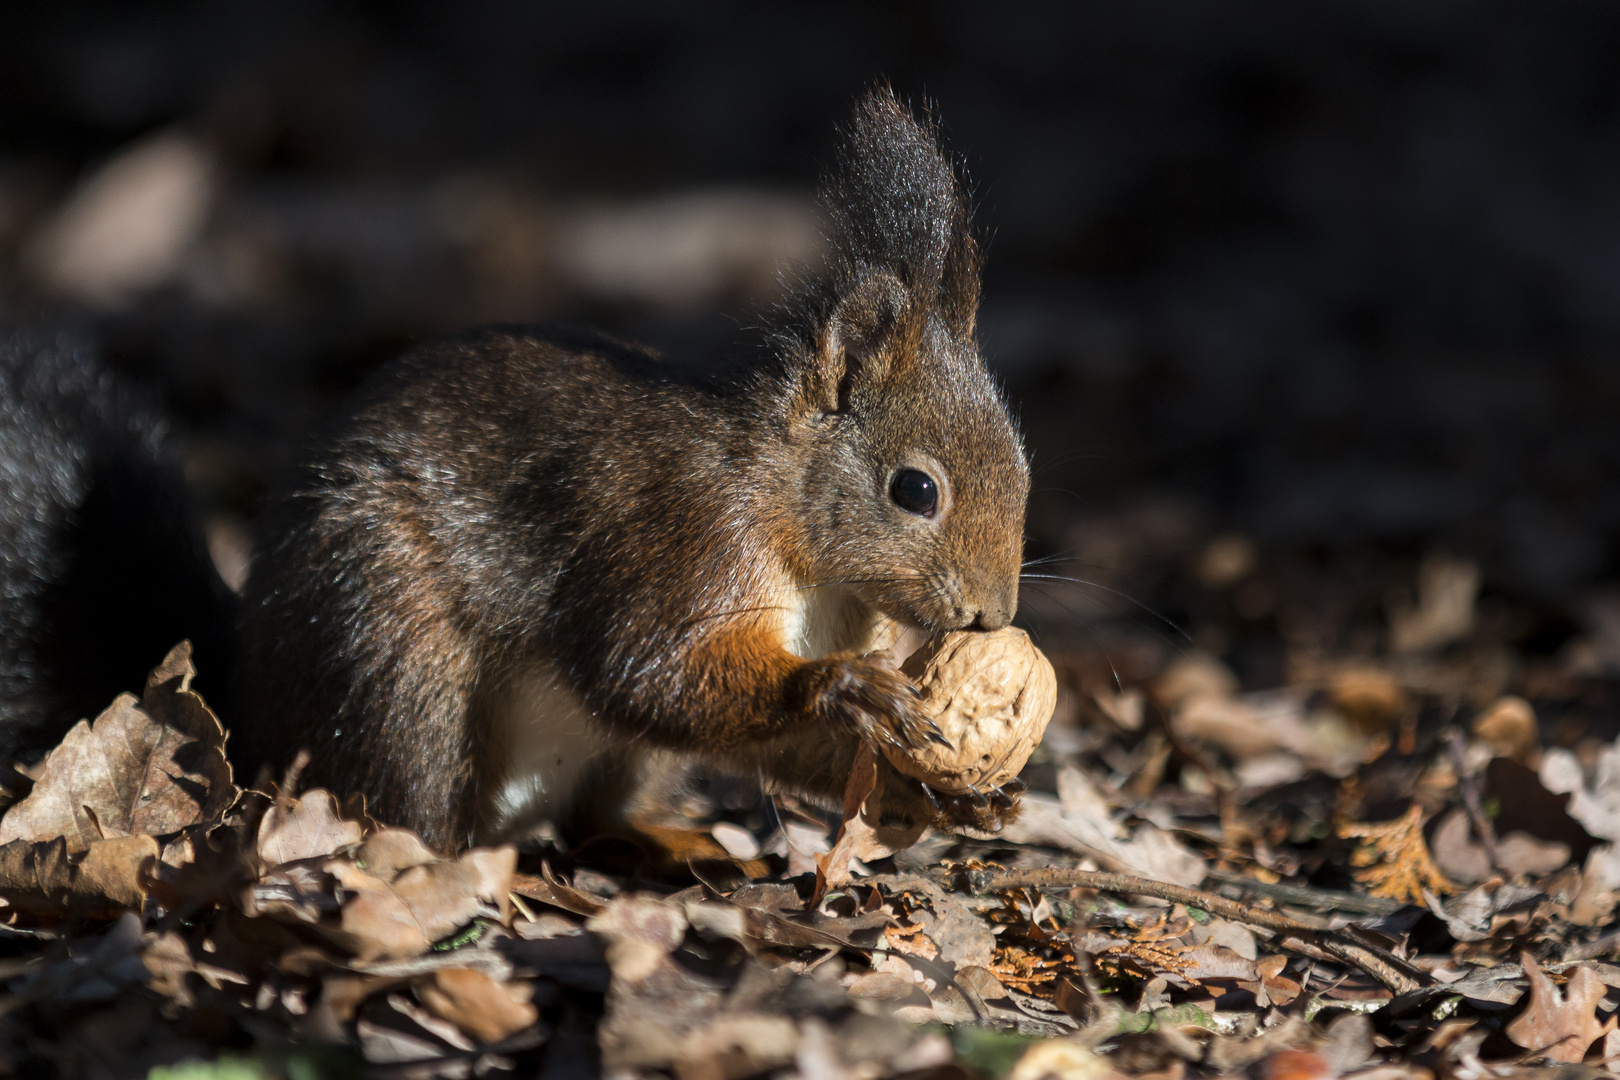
(48, 877)
(1509, 728)
(487, 1010)
(388, 918)
(1560, 1026)
(857, 837)
(641, 933)
(307, 827)
(153, 766)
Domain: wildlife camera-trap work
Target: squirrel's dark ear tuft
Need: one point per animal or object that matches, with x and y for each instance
(898, 206)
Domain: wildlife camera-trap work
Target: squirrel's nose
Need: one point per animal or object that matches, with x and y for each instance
(997, 613)
(989, 621)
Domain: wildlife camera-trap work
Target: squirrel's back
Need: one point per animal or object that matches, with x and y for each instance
(496, 504)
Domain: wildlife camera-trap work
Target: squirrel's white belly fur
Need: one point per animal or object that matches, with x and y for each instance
(542, 743)
(544, 739)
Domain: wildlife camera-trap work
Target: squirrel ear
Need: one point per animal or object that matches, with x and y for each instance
(854, 342)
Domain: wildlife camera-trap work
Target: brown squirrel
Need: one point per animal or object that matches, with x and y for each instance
(532, 561)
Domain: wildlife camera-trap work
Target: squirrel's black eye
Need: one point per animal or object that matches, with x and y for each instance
(914, 492)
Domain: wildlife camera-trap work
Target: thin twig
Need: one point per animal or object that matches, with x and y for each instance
(1302, 896)
(1468, 785)
(1381, 965)
(1606, 945)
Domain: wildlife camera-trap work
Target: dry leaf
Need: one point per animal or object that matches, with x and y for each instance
(47, 877)
(487, 1010)
(641, 934)
(1194, 675)
(168, 962)
(445, 895)
(860, 833)
(1393, 860)
(377, 924)
(548, 889)
(1272, 987)
(401, 917)
(1062, 1059)
(1297, 1065)
(307, 827)
(856, 839)
(1560, 1026)
(1368, 698)
(154, 766)
(1447, 589)
(1508, 727)
(388, 852)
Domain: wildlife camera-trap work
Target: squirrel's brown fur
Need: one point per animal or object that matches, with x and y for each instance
(527, 539)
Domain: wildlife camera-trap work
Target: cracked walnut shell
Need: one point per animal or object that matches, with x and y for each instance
(992, 695)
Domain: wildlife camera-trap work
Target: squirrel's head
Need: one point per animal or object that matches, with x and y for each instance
(915, 481)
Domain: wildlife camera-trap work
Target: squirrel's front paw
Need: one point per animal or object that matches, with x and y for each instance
(982, 811)
(873, 698)
(909, 799)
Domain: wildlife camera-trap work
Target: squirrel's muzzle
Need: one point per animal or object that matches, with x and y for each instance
(998, 606)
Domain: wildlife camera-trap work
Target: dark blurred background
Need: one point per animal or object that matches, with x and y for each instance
(1293, 298)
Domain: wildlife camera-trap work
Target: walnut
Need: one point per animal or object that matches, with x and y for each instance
(992, 695)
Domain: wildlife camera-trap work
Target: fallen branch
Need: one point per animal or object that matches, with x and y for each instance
(1314, 899)
(1380, 964)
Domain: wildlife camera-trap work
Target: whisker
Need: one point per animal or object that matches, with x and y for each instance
(1080, 454)
(1054, 560)
(1131, 618)
(1080, 500)
(862, 581)
(1115, 592)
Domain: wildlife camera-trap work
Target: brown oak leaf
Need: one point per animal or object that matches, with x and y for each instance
(401, 915)
(152, 767)
(307, 827)
(1560, 1026)
(860, 836)
(487, 1010)
(106, 876)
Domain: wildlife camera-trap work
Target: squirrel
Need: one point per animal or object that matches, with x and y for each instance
(530, 564)
(102, 565)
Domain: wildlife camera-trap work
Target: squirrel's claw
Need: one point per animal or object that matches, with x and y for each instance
(875, 699)
(982, 811)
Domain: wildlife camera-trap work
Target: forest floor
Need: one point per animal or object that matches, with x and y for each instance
(1399, 861)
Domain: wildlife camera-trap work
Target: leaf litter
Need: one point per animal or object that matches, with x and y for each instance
(1389, 866)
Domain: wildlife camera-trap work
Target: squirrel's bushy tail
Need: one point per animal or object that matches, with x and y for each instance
(102, 566)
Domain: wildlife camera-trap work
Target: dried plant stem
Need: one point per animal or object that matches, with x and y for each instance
(1383, 966)
(1468, 786)
(1315, 899)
